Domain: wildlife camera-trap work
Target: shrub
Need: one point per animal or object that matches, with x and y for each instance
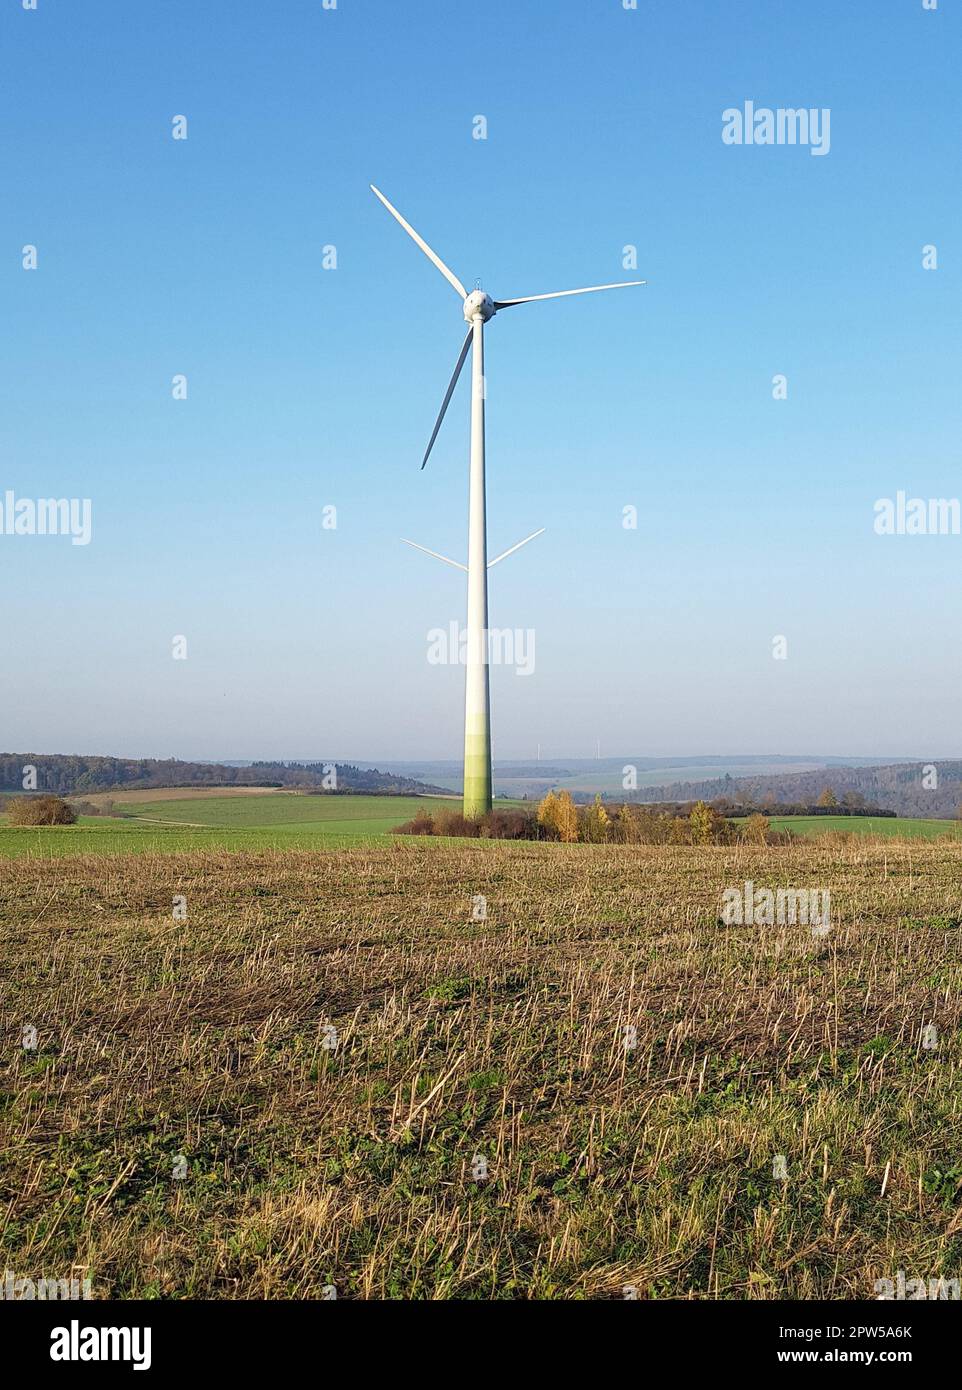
(755, 829)
(40, 810)
(422, 824)
(679, 832)
(501, 824)
(454, 823)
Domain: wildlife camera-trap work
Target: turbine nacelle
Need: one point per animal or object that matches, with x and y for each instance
(476, 303)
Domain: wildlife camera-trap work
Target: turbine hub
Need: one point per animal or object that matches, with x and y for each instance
(478, 302)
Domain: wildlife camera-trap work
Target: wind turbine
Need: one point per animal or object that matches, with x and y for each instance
(478, 308)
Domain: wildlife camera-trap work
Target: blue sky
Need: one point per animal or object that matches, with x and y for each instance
(310, 387)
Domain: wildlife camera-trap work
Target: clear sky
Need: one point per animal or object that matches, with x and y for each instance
(310, 387)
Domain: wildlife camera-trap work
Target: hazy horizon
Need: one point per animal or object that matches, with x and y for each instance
(365, 760)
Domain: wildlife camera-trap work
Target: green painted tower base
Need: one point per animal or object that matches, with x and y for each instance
(477, 766)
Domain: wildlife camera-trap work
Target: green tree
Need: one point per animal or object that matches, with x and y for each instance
(701, 820)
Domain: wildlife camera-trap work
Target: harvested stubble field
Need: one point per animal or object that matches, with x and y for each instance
(652, 1166)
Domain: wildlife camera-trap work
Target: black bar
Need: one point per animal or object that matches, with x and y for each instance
(244, 1338)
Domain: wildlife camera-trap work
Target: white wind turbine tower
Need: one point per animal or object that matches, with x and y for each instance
(478, 308)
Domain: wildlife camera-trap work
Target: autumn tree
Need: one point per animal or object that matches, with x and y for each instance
(548, 815)
(626, 828)
(567, 819)
(558, 815)
(596, 823)
(828, 798)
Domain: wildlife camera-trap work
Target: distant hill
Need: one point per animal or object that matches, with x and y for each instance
(70, 774)
(904, 788)
(532, 778)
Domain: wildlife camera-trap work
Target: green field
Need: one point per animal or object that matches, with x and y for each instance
(867, 825)
(354, 816)
(284, 820)
(230, 822)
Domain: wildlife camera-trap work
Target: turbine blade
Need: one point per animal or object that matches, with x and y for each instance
(505, 553)
(457, 565)
(560, 294)
(448, 394)
(449, 275)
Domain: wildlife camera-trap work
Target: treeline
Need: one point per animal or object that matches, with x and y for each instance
(904, 789)
(71, 774)
(855, 806)
(729, 806)
(559, 818)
